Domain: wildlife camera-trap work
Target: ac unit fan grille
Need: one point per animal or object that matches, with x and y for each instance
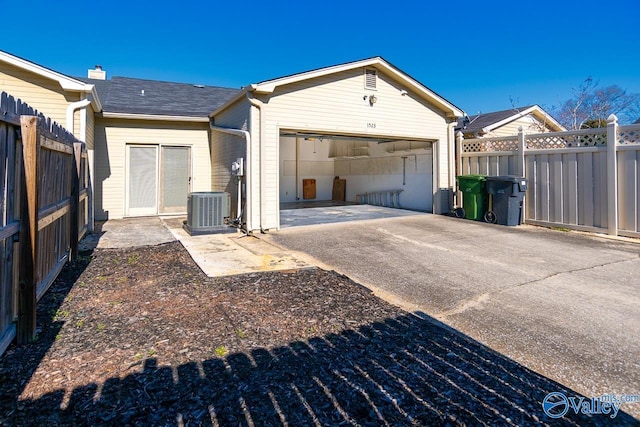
(207, 211)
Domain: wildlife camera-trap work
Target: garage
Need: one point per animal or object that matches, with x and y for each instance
(380, 171)
(387, 137)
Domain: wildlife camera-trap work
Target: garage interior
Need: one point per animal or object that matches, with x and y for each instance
(322, 170)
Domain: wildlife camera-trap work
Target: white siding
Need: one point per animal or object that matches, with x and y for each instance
(225, 149)
(529, 123)
(90, 129)
(41, 93)
(336, 104)
(235, 116)
(111, 137)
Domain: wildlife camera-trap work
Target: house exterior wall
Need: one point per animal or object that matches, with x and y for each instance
(90, 127)
(111, 138)
(41, 93)
(529, 123)
(335, 104)
(226, 148)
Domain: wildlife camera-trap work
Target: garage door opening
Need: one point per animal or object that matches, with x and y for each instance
(323, 170)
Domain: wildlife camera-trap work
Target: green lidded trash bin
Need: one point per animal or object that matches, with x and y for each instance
(474, 196)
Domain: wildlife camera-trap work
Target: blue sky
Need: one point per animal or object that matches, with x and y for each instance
(476, 55)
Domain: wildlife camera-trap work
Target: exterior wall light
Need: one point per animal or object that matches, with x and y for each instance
(372, 99)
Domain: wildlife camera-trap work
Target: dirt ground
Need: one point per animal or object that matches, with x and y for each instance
(141, 337)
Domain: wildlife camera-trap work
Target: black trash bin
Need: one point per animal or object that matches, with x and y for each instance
(508, 197)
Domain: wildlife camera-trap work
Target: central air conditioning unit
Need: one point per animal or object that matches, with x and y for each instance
(207, 212)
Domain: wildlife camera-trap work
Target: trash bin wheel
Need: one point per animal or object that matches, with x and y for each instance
(458, 212)
(490, 217)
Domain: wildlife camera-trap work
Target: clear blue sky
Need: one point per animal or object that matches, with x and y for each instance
(475, 54)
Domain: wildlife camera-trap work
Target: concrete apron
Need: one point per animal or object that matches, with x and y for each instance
(216, 254)
(229, 253)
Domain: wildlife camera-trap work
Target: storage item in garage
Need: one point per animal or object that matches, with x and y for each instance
(339, 189)
(308, 189)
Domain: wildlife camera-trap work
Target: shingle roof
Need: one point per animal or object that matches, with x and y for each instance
(151, 97)
(481, 121)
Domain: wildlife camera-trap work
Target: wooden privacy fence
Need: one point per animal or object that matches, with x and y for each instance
(44, 183)
(586, 180)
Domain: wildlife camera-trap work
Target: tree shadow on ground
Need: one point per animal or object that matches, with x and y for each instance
(403, 371)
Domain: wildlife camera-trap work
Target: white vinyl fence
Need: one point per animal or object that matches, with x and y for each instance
(586, 180)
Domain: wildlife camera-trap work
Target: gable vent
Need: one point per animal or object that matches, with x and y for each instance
(370, 78)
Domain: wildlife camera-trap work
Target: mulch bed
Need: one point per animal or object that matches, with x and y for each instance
(141, 337)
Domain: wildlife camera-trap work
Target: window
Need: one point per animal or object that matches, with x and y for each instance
(370, 78)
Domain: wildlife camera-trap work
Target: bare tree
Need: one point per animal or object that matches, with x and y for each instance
(591, 105)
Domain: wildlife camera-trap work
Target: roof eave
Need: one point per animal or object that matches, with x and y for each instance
(229, 103)
(95, 100)
(65, 82)
(451, 110)
(534, 109)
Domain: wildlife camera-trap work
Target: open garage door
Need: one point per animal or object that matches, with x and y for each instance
(374, 170)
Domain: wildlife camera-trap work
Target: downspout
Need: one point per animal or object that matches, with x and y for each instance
(247, 166)
(71, 109)
(297, 168)
(260, 106)
(70, 125)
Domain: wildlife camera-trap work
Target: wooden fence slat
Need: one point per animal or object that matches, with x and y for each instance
(29, 232)
(76, 175)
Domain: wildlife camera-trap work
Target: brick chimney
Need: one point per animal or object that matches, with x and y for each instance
(97, 73)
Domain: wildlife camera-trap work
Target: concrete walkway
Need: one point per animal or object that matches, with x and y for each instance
(564, 304)
(221, 254)
(232, 252)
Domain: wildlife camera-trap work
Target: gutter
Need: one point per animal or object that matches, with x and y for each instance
(247, 166)
(134, 116)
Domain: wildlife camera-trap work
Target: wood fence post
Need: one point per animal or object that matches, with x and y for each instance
(28, 276)
(612, 175)
(75, 200)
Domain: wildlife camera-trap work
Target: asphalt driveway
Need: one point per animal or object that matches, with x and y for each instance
(564, 304)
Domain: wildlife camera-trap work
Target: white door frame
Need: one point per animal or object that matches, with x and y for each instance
(155, 210)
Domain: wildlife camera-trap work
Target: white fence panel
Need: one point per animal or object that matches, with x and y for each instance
(629, 179)
(568, 175)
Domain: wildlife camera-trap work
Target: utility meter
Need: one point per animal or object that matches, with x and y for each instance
(237, 167)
